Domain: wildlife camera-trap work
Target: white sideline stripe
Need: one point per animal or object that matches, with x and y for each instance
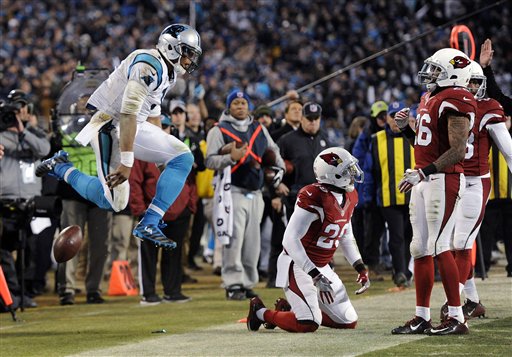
(377, 316)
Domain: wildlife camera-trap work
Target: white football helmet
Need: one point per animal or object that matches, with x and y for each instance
(335, 166)
(179, 40)
(477, 76)
(447, 67)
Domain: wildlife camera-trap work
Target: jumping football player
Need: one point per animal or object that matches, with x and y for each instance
(119, 132)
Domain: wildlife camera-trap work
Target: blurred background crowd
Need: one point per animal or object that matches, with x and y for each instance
(266, 47)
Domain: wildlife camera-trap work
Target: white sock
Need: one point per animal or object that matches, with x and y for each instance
(260, 313)
(470, 290)
(461, 287)
(68, 171)
(423, 312)
(456, 313)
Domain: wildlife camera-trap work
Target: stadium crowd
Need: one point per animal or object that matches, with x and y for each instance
(265, 48)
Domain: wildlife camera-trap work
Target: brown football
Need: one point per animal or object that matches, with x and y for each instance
(226, 149)
(268, 158)
(67, 244)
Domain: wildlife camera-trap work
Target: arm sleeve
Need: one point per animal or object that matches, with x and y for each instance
(295, 230)
(503, 141)
(349, 246)
(494, 91)
(215, 142)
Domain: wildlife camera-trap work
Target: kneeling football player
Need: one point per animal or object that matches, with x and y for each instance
(315, 294)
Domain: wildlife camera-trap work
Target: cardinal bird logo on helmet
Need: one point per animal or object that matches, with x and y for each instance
(331, 159)
(459, 62)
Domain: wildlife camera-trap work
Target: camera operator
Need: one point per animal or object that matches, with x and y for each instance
(24, 144)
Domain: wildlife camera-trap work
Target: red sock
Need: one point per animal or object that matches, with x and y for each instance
(287, 321)
(463, 261)
(328, 322)
(424, 280)
(450, 277)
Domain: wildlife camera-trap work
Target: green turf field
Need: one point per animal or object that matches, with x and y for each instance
(207, 326)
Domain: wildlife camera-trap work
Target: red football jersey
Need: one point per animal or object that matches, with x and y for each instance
(322, 238)
(476, 161)
(432, 125)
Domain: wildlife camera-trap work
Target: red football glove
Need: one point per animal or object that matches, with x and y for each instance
(364, 280)
(402, 118)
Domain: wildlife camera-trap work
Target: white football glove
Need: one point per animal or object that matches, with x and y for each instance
(411, 178)
(364, 280)
(325, 290)
(402, 118)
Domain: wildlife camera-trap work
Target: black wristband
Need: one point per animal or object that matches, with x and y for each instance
(408, 132)
(360, 267)
(429, 170)
(314, 273)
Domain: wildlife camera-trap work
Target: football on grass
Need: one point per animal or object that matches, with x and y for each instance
(67, 244)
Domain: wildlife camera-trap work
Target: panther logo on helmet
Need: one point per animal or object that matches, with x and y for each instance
(460, 62)
(332, 159)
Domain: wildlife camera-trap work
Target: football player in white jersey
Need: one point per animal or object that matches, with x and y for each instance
(121, 129)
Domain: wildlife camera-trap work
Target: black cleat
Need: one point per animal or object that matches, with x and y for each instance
(413, 327)
(443, 314)
(281, 305)
(473, 309)
(253, 322)
(450, 326)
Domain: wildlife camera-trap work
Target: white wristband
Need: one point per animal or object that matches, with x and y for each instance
(127, 158)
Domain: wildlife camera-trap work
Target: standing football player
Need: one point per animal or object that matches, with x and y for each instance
(489, 125)
(119, 131)
(319, 224)
(445, 116)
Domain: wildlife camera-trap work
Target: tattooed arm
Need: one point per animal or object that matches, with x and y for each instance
(458, 130)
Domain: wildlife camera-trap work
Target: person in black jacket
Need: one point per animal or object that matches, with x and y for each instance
(298, 147)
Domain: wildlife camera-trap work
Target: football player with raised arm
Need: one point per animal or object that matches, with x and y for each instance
(445, 117)
(120, 130)
(319, 224)
(489, 127)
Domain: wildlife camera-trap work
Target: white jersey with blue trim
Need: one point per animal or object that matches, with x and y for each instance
(144, 66)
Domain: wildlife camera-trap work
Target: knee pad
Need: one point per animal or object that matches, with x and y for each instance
(351, 314)
(418, 249)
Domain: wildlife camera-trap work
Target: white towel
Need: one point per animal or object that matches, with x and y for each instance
(85, 136)
(222, 206)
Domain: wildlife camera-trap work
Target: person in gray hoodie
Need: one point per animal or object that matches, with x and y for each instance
(243, 144)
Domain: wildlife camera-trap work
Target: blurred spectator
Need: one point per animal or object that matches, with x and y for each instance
(374, 222)
(23, 144)
(176, 220)
(389, 155)
(356, 128)
(178, 112)
(241, 167)
(292, 116)
(299, 148)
